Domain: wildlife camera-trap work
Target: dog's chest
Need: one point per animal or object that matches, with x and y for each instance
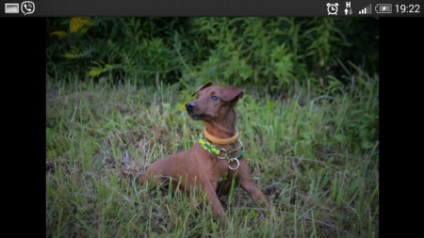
(219, 165)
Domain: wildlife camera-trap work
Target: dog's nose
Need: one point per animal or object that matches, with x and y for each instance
(190, 106)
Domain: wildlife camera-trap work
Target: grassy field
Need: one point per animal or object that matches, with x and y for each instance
(315, 156)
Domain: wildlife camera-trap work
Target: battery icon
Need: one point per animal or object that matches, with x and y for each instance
(383, 8)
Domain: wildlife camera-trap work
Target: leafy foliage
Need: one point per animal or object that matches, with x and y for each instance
(278, 53)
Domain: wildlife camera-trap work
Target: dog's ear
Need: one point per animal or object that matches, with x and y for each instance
(202, 87)
(231, 94)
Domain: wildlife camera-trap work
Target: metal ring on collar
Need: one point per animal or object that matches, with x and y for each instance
(221, 157)
(225, 152)
(231, 160)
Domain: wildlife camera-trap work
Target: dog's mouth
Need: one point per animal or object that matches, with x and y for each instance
(197, 116)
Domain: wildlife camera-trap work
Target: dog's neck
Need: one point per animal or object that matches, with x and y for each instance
(221, 130)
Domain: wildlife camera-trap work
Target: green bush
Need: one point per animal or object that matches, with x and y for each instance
(277, 53)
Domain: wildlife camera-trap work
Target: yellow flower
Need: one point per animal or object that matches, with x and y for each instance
(60, 34)
(78, 24)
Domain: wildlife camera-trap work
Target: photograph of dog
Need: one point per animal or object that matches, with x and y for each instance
(212, 126)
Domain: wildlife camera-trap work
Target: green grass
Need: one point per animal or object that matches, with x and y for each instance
(315, 156)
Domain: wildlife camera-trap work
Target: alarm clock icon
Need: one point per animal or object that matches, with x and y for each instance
(332, 8)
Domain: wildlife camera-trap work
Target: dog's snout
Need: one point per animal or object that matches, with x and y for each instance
(190, 106)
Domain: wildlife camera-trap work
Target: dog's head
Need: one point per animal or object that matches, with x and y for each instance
(213, 101)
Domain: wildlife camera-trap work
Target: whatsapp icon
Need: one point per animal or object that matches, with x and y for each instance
(27, 7)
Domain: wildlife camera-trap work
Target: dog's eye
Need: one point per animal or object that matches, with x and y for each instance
(214, 98)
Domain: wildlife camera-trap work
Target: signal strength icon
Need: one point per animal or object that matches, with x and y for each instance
(366, 10)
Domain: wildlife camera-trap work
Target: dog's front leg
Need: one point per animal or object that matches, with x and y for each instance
(248, 185)
(217, 208)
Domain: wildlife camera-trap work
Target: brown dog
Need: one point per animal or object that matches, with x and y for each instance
(216, 156)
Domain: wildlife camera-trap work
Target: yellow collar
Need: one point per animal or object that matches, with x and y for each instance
(220, 141)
